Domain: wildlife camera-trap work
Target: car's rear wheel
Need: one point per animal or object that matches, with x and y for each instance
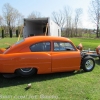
(26, 71)
(88, 64)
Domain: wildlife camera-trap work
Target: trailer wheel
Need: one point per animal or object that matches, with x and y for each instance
(88, 64)
(26, 71)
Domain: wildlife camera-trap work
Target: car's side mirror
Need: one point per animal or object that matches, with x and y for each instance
(80, 47)
(98, 50)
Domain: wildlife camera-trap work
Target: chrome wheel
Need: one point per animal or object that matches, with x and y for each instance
(89, 64)
(26, 70)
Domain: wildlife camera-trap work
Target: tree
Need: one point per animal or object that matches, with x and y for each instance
(68, 21)
(1, 20)
(78, 13)
(2, 26)
(35, 15)
(94, 11)
(59, 18)
(19, 24)
(10, 15)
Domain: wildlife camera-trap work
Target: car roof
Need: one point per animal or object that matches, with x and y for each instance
(46, 38)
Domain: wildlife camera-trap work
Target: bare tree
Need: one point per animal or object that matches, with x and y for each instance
(69, 21)
(59, 18)
(2, 26)
(20, 18)
(94, 11)
(78, 13)
(35, 15)
(1, 20)
(19, 23)
(9, 15)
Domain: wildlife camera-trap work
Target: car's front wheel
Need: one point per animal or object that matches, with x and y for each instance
(26, 71)
(88, 64)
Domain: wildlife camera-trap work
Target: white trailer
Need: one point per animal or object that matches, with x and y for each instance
(40, 26)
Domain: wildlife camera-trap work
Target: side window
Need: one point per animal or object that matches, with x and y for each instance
(40, 47)
(63, 46)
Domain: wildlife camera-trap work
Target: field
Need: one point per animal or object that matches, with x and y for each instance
(86, 42)
(5, 42)
(59, 86)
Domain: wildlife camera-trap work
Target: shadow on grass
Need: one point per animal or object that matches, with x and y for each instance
(4, 82)
(97, 61)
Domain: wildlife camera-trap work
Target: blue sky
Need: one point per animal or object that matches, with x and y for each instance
(46, 7)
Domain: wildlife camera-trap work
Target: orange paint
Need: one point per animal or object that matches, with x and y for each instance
(20, 56)
(2, 50)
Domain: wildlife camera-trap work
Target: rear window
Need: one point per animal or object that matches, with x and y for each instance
(40, 47)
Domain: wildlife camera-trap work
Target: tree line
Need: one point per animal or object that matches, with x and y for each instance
(69, 21)
(72, 22)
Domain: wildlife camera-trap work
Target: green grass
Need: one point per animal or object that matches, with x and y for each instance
(64, 86)
(5, 42)
(58, 86)
(86, 42)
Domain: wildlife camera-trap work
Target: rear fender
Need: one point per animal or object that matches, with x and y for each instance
(10, 62)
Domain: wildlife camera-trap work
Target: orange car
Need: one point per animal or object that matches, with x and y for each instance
(44, 54)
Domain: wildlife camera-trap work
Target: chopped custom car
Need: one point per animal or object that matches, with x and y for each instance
(44, 54)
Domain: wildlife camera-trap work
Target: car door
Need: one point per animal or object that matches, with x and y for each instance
(65, 57)
(42, 56)
(38, 57)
